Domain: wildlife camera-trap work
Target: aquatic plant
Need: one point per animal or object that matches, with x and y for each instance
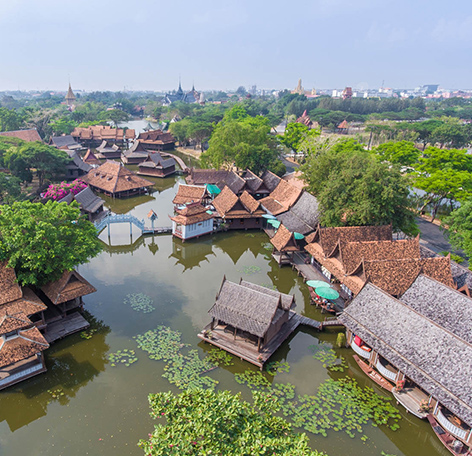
(267, 246)
(328, 357)
(277, 367)
(56, 393)
(340, 340)
(140, 302)
(126, 357)
(269, 285)
(88, 333)
(219, 357)
(161, 343)
(250, 270)
(252, 379)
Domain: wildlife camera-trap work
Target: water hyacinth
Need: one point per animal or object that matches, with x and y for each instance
(140, 302)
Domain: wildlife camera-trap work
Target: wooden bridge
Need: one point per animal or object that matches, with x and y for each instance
(180, 162)
(132, 220)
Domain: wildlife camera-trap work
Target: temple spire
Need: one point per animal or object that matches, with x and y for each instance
(70, 97)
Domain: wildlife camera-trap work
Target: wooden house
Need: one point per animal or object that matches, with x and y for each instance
(419, 347)
(136, 154)
(157, 166)
(65, 142)
(255, 185)
(284, 246)
(115, 180)
(91, 159)
(108, 150)
(25, 135)
(21, 318)
(94, 135)
(90, 204)
(76, 167)
(191, 221)
(343, 128)
(190, 194)
(249, 321)
(304, 216)
(281, 199)
(238, 212)
(157, 140)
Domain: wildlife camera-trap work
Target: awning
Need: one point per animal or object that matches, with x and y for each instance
(213, 189)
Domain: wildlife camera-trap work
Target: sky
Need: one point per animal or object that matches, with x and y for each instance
(221, 45)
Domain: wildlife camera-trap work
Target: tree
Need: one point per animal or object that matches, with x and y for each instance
(241, 91)
(10, 120)
(203, 422)
(180, 130)
(354, 188)
(199, 131)
(459, 227)
(246, 143)
(451, 134)
(41, 241)
(63, 126)
(115, 115)
(10, 189)
(402, 152)
(295, 133)
(46, 160)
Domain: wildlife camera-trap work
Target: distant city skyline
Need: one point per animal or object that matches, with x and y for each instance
(106, 45)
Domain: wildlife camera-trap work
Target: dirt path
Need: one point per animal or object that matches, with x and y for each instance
(195, 153)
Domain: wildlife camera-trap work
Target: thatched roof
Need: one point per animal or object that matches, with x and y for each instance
(189, 194)
(286, 301)
(71, 285)
(26, 344)
(424, 350)
(111, 177)
(283, 240)
(88, 201)
(244, 308)
(9, 288)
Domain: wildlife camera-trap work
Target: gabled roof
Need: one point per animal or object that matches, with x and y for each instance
(13, 322)
(249, 202)
(29, 304)
(225, 201)
(9, 288)
(205, 176)
(193, 213)
(156, 137)
(138, 147)
(106, 147)
(26, 135)
(245, 308)
(282, 198)
(234, 182)
(286, 301)
(343, 125)
(304, 216)
(189, 194)
(283, 240)
(63, 141)
(77, 161)
(253, 182)
(26, 344)
(228, 204)
(71, 285)
(114, 178)
(424, 350)
(88, 201)
(270, 180)
(155, 160)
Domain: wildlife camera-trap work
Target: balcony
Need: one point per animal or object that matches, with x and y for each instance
(388, 374)
(450, 427)
(360, 351)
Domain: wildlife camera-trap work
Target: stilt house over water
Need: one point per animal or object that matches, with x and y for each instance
(249, 320)
(419, 347)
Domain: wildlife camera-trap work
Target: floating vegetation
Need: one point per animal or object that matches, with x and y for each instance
(56, 393)
(126, 357)
(277, 367)
(183, 370)
(267, 246)
(219, 357)
(328, 357)
(140, 302)
(270, 286)
(340, 340)
(88, 333)
(250, 270)
(253, 380)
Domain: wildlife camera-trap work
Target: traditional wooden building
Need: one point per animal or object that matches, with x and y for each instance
(419, 347)
(284, 246)
(281, 199)
(115, 180)
(90, 204)
(108, 150)
(76, 167)
(157, 140)
(65, 142)
(249, 320)
(21, 318)
(25, 135)
(94, 135)
(238, 212)
(255, 185)
(91, 159)
(157, 166)
(191, 221)
(343, 128)
(304, 216)
(136, 154)
(187, 194)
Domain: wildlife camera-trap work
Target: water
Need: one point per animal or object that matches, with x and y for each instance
(104, 409)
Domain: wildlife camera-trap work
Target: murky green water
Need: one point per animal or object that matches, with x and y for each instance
(103, 409)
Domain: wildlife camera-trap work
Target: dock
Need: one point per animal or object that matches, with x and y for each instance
(68, 325)
(373, 375)
(246, 350)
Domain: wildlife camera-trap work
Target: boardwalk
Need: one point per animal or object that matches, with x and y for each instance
(180, 162)
(67, 325)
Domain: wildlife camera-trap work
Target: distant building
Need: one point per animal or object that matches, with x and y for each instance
(347, 93)
(157, 140)
(65, 142)
(76, 167)
(301, 91)
(156, 166)
(25, 135)
(94, 135)
(70, 97)
(180, 96)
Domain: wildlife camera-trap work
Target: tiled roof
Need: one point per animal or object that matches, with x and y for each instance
(13, 322)
(9, 288)
(26, 344)
(205, 176)
(88, 201)
(29, 304)
(155, 160)
(225, 201)
(71, 285)
(189, 194)
(63, 141)
(91, 158)
(270, 180)
(106, 147)
(156, 137)
(25, 135)
(114, 178)
(249, 202)
(283, 240)
(191, 214)
(304, 215)
(282, 198)
(253, 182)
(234, 182)
(98, 132)
(287, 301)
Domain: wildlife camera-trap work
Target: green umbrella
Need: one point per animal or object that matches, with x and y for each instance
(269, 217)
(298, 236)
(327, 293)
(274, 223)
(317, 284)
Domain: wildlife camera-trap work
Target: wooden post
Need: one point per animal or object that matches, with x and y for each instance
(235, 331)
(258, 344)
(212, 324)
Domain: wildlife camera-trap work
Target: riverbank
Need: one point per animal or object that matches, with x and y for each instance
(195, 153)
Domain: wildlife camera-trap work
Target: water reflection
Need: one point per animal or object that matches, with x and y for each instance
(191, 253)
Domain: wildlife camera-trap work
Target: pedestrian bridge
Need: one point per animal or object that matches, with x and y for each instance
(132, 220)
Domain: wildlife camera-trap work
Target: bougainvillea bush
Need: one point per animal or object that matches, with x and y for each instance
(58, 191)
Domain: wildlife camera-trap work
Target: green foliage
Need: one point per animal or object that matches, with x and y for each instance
(295, 133)
(10, 189)
(140, 302)
(253, 379)
(328, 357)
(353, 188)
(88, 333)
(219, 357)
(459, 227)
(63, 126)
(341, 340)
(202, 422)
(402, 152)
(41, 241)
(250, 270)
(125, 356)
(277, 367)
(10, 120)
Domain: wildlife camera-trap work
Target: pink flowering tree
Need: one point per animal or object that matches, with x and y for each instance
(58, 191)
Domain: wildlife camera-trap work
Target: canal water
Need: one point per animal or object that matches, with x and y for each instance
(85, 406)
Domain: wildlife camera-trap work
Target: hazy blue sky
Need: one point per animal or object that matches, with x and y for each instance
(146, 44)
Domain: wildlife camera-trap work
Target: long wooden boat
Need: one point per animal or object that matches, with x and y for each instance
(448, 440)
(373, 374)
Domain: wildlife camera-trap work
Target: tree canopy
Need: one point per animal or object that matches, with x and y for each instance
(295, 134)
(459, 227)
(354, 188)
(203, 422)
(401, 152)
(41, 241)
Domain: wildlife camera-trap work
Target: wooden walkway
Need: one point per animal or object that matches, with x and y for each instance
(331, 323)
(68, 325)
(411, 399)
(181, 163)
(309, 322)
(157, 230)
(373, 374)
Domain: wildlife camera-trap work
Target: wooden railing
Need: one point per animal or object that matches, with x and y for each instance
(20, 374)
(452, 428)
(385, 372)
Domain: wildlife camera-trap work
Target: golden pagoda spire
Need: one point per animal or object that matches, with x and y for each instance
(70, 97)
